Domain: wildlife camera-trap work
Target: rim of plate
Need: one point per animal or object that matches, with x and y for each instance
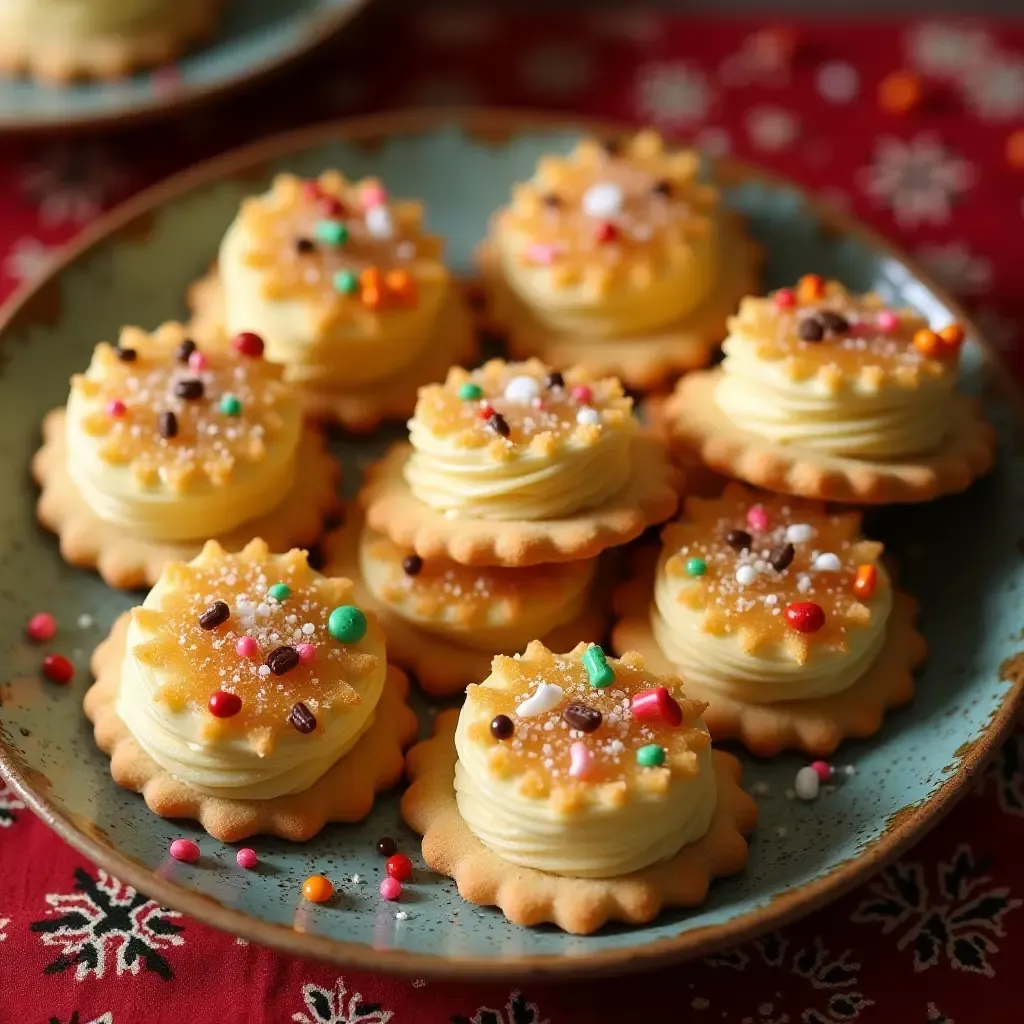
(323, 27)
(903, 829)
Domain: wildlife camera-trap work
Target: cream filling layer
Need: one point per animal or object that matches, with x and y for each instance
(891, 423)
(469, 482)
(203, 510)
(231, 768)
(591, 843)
(673, 291)
(78, 18)
(347, 353)
(541, 611)
(719, 665)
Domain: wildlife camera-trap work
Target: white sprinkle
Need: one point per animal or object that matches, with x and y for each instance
(803, 583)
(588, 416)
(745, 575)
(401, 915)
(357, 879)
(781, 831)
(828, 562)
(263, 608)
(849, 769)
(771, 599)
(807, 784)
(264, 670)
(85, 621)
(545, 698)
(378, 222)
(522, 389)
(308, 628)
(799, 532)
(603, 199)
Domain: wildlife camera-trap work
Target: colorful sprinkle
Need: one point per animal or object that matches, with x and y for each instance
(281, 660)
(279, 592)
(785, 298)
(542, 254)
(502, 727)
(347, 624)
(185, 350)
(823, 770)
(317, 889)
(582, 717)
(888, 322)
(246, 858)
(745, 575)
(230, 405)
(58, 669)
(331, 206)
(346, 282)
(800, 532)
(412, 565)
(499, 424)
(311, 189)
(223, 704)
(739, 540)
(588, 416)
(185, 850)
(650, 755)
(189, 388)
(246, 647)
(379, 222)
(307, 653)
(373, 195)
(116, 408)
(834, 323)
(656, 705)
(582, 394)
(757, 517)
(197, 361)
(606, 232)
(301, 718)
(470, 392)
(545, 698)
(399, 866)
(390, 888)
(807, 783)
(522, 389)
(386, 846)
(42, 626)
(602, 200)
(865, 581)
(554, 380)
(827, 561)
(167, 425)
(696, 567)
(928, 343)
(216, 615)
(599, 672)
(401, 285)
(805, 616)
(952, 336)
(331, 232)
(248, 344)
(810, 328)
(781, 558)
(581, 760)
(810, 287)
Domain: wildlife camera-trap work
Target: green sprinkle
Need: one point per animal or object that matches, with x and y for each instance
(280, 591)
(599, 672)
(347, 624)
(346, 282)
(230, 405)
(650, 756)
(470, 392)
(331, 232)
(696, 567)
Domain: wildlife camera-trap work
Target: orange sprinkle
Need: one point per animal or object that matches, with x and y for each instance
(317, 889)
(866, 580)
(928, 343)
(899, 92)
(370, 297)
(952, 336)
(1015, 149)
(810, 287)
(400, 284)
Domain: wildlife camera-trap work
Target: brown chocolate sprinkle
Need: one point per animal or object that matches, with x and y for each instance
(582, 717)
(167, 424)
(126, 355)
(185, 349)
(781, 557)
(554, 380)
(833, 322)
(662, 188)
(304, 245)
(499, 424)
(412, 565)
(502, 727)
(282, 659)
(810, 329)
(738, 539)
(301, 717)
(552, 200)
(214, 616)
(611, 146)
(386, 846)
(190, 388)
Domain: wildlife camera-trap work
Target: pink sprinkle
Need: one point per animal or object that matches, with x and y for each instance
(373, 195)
(537, 403)
(246, 858)
(307, 652)
(888, 321)
(311, 189)
(757, 518)
(582, 761)
(197, 361)
(822, 769)
(785, 299)
(42, 626)
(246, 647)
(115, 407)
(582, 394)
(185, 850)
(540, 253)
(390, 888)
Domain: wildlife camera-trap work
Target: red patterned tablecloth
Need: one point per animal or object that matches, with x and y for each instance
(935, 937)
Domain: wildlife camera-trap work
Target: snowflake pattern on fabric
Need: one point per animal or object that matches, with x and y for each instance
(772, 128)
(995, 89)
(76, 1018)
(1006, 776)
(28, 259)
(947, 51)
(336, 1006)
(956, 268)
(673, 94)
(557, 70)
(72, 183)
(961, 923)
(9, 804)
(935, 1016)
(518, 1010)
(4, 922)
(104, 920)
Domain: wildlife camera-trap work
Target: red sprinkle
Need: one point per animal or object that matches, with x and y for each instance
(656, 705)
(332, 207)
(805, 616)
(185, 850)
(399, 866)
(311, 189)
(224, 705)
(42, 626)
(58, 669)
(116, 408)
(391, 888)
(486, 412)
(785, 299)
(246, 858)
(823, 770)
(606, 232)
(248, 344)
(582, 394)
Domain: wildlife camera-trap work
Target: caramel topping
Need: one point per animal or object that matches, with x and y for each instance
(227, 413)
(468, 596)
(539, 754)
(604, 218)
(541, 411)
(343, 246)
(796, 552)
(196, 662)
(837, 336)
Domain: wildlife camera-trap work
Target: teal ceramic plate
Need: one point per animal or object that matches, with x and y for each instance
(255, 38)
(960, 555)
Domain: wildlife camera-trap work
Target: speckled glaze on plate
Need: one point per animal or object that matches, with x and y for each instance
(255, 38)
(134, 268)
